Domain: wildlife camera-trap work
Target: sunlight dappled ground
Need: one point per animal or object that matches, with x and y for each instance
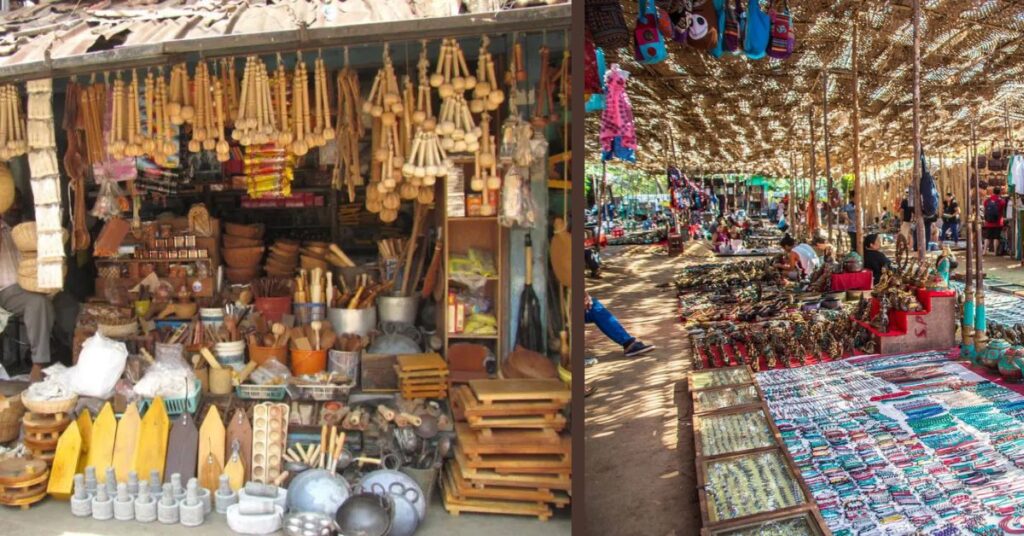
(639, 453)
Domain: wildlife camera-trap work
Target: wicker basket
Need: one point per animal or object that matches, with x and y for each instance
(28, 274)
(63, 405)
(11, 411)
(109, 271)
(118, 331)
(24, 235)
(244, 231)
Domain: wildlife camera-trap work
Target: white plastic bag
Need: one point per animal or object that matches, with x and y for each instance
(100, 365)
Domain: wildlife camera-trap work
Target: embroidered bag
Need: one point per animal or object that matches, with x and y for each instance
(781, 45)
(648, 44)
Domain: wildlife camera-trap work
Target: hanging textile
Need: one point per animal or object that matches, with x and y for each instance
(618, 133)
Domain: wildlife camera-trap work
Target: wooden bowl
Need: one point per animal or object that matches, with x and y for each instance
(241, 275)
(239, 242)
(283, 254)
(244, 231)
(286, 246)
(315, 253)
(274, 263)
(247, 257)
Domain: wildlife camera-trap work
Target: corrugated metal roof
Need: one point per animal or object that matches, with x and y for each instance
(36, 38)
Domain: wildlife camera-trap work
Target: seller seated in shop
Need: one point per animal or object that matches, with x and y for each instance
(36, 310)
(798, 261)
(874, 259)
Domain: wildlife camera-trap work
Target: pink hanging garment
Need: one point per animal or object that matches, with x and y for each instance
(618, 133)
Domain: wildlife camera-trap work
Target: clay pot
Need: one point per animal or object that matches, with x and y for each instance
(1011, 363)
(994, 352)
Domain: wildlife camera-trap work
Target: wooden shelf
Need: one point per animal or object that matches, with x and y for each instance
(473, 219)
(472, 336)
(135, 261)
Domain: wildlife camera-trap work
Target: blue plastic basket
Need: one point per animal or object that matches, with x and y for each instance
(177, 406)
(261, 392)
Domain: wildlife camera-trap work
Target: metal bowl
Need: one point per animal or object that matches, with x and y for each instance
(365, 514)
(317, 490)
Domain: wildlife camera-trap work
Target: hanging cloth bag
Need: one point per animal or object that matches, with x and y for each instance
(929, 192)
(720, 16)
(757, 31)
(606, 22)
(648, 43)
(702, 32)
(596, 101)
(783, 39)
(733, 33)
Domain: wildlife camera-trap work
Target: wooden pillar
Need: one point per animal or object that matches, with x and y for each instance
(967, 231)
(600, 206)
(980, 326)
(792, 196)
(828, 160)
(858, 210)
(812, 195)
(915, 187)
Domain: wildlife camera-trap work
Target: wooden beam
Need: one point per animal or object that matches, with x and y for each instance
(858, 209)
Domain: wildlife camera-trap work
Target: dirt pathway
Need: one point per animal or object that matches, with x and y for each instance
(639, 451)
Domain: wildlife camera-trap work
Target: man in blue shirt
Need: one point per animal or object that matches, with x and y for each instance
(850, 209)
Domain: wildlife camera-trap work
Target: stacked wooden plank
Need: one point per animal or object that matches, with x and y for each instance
(42, 430)
(513, 454)
(422, 376)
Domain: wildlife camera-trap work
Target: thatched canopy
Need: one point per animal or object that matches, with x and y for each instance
(737, 115)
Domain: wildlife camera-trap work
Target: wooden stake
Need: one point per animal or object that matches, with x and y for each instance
(859, 246)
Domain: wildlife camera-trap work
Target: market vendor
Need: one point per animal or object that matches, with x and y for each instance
(798, 261)
(874, 259)
(35, 309)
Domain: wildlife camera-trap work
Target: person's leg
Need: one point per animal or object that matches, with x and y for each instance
(955, 228)
(607, 323)
(37, 313)
(853, 240)
(946, 225)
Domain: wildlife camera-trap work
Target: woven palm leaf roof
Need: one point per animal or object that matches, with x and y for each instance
(736, 115)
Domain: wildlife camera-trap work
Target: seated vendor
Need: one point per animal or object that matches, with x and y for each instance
(797, 260)
(35, 309)
(874, 259)
(721, 234)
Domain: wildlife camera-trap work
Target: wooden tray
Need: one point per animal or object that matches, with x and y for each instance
(489, 392)
(151, 447)
(101, 445)
(23, 481)
(211, 438)
(804, 523)
(695, 380)
(421, 362)
(473, 442)
(742, 395)
(183, 457)
(700, 421)
(65, 461)
(517, 463)
(123, 458)
(554, 422)
(463, 396)
(45, 422)
(85, 428)
(239, 429)
(487, 477)
(702, 482)
(464, 489)
(456, 506)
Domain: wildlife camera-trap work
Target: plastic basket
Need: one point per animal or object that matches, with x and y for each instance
(261, 392)
(323, 392)
(177, 406)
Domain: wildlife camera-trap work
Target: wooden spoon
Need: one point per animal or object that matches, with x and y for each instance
(316, 325)
(278, 330)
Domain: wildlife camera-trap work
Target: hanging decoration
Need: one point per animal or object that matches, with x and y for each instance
(427, 160)
(451, 79)
(179, 105)
(254, 123)
(300, 110)
(485, 177)
(487, 95)
(349, 131)
(116, 136)
(384, 104)
(161, 132)
(12, 125)
(229, 85)
(323, 132)
(618, 133)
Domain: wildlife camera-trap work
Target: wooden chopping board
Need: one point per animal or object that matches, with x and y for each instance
(151, 448)
(211, 438)
(240, 429)
(492, 391)
(184, 438)
(85, 428)
(124, 444)
(65, 461)
(101, 445)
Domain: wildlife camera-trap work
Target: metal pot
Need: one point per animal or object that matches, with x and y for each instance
(397, 308)
(355, 321)
(404, 517)
(365, 514)
(387, 477)
(317, 490)
(993, 353)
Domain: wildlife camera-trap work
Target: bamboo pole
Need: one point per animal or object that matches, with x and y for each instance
(792, 196)
(980, 327)
(967, 323)
(859, 246)
(915, 187)
(812, 195)
(828, 159)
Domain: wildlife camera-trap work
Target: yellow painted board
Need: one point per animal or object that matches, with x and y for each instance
(124, 444)
(101, 451)
(235, 471)
(211, 439)
(85, 429)
(65, 461)
(151, 447)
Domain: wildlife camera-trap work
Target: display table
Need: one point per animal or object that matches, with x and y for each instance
(851, 281)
